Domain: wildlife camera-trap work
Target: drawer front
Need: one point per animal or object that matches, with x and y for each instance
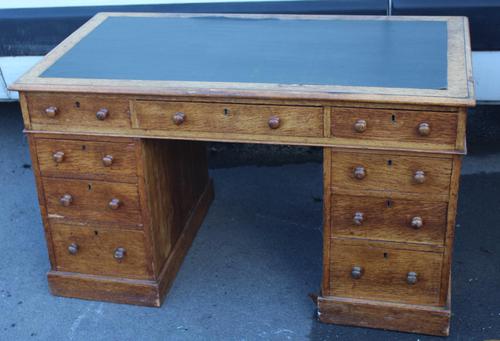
(388, 219)
(385, 273)
(94, 201)
(365, 172)
(228, 118)
(76, 111)
(95, 251)
(395, 125)
(86, 159)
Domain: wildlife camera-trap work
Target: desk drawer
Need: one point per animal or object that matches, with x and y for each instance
(377, 271)
(93, 201)
(386, 174)
(388, 219)
(395, 125)
(228, 118)
(71, 111)
(95, 251)
(86, 159)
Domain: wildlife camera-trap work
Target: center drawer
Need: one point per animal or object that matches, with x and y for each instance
(94, 201)
(382, 271)
(228, 118)
(95, 251)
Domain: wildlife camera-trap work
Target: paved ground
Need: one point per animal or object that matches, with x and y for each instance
(247, 276)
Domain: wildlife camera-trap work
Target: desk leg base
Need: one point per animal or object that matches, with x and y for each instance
(385, 315)
(131, 291)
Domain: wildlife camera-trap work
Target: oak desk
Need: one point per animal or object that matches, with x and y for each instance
(117, 113)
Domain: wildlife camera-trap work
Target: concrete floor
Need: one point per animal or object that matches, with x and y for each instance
(248, 273)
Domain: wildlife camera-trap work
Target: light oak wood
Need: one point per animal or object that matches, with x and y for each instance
(90, 200)
(391, 175)
(79, 110)
(228, 118)
(384, 273)
(395, 125)
(385, 315)
(96, 249)
(388, 219)
(85, 159)
(120, 213)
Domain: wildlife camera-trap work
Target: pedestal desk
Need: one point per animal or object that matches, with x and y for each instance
(116, 116)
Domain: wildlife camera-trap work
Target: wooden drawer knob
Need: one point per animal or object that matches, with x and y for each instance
(360, 126)
(417, 222)
(274, 122)
(66, 200)
(179, 118)
(107, 161)
(358, 218)
(115, 204)
(411, 278)
(356, 272)
(51, 111)
(102, 114)
(424, 129)
(73, 248)
(120, 253)
(58, 157)
(359, 172)
(419, 177)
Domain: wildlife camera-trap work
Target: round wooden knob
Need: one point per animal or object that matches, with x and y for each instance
(119, 253)
(356, 272)
(115, 204)
(417, 222)
(360, 126)
(358, 218)
(419, 177)
(58, 156)
(359, 172)
(178, 118)
(73, 248)
(51, 111)
(411, 277)
(102, 114)
(274, 122)
(66, 200)
(424, 129)
(107, 161)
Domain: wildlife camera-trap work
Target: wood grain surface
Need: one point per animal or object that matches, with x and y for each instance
(384, 273)
(228, 118)
(388, 219)
(395, 125)
(96, 248)
(90, 202)
(391, 175)
(84, 159)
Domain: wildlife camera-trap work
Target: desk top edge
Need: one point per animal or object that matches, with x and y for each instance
(459, 93)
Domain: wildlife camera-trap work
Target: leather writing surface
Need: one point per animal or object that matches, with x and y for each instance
(374, 53)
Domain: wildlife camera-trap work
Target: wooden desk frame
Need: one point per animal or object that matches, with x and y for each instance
(127, 97)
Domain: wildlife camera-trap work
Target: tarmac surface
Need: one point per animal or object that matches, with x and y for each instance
(254, 262)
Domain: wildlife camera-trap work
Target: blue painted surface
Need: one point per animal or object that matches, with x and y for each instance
(376, 53)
